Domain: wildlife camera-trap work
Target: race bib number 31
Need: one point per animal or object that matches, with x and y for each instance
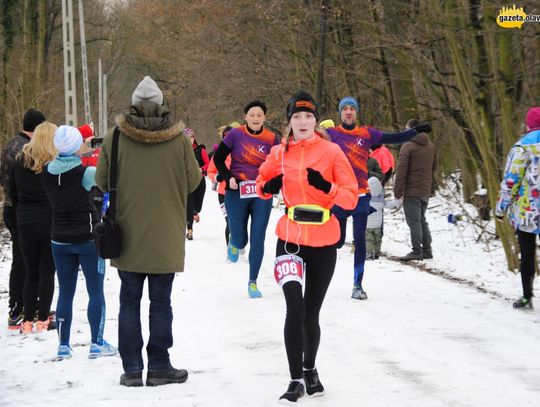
(288, 267)
(248, 189)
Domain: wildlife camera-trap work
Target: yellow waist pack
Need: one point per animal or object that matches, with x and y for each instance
(308, 214)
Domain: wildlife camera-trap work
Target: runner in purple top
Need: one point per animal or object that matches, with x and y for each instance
(248, 146)
(248, 151)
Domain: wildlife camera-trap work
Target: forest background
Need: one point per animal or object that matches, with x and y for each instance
(447, 62)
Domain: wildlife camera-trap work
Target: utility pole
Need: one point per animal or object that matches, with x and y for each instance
(100, 101)
(70, 92)
(104, 130)
(86, 90)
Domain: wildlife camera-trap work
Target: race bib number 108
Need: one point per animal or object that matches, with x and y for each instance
(289, 267)
(248, 189)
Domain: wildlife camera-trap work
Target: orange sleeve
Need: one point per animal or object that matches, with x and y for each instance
(212, 170)
(270, 168)
(344, 190)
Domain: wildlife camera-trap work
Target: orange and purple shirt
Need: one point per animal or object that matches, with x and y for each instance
(356, 144)
(248, 151)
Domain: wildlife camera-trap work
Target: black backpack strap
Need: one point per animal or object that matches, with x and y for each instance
(112, 179)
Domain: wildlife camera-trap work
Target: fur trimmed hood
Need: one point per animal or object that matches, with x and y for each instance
(149, 123)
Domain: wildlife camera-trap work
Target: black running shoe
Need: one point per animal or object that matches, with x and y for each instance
(294, 392)
(166, 376)
(523, 302)
(314, 386)
(15, 318)
(131, 379)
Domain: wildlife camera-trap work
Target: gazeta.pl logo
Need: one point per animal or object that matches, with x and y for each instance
(515, 17)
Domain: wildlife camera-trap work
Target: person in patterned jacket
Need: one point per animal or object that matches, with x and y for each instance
(519, 199)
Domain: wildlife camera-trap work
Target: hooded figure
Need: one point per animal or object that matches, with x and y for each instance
(156, 171)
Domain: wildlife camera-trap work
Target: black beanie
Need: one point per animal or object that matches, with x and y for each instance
(302, 102)
(32, 118)
(255, 103)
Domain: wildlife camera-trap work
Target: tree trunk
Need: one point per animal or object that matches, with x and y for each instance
(319, 82)
(474, 99)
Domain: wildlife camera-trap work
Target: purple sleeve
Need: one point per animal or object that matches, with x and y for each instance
(229, 139)
(375, 134)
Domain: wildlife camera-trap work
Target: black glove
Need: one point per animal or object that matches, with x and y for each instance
(219, 177)
(422, 128)
(274, 185)
(316, 180)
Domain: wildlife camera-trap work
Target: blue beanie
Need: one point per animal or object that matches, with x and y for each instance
(67, 140)
(347, 101)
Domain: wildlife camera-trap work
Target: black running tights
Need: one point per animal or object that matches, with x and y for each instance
(302, 331)
(221, 200)
(527, 244)
(35, 244)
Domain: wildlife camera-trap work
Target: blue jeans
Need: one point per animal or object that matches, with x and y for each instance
(360, 215)
(130, 340)
(238, 211)
(67, 258)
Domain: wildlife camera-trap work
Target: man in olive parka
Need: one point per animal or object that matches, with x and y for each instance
(156, 171)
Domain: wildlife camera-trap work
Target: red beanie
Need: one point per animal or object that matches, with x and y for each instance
(86, 131)
(532, 119)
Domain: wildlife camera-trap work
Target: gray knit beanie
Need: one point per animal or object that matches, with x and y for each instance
(148, 90)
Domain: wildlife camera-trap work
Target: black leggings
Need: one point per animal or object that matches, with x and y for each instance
(35, 244)
(18, 269)
(221, 200)
(302, 331)
(527, 244)
(195, 202)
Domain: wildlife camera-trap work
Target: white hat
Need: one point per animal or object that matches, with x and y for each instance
(147, 89)
(67, 140)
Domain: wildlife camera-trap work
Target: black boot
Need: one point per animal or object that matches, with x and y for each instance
(166, 376)
(294, 392)
(414, 255)
(523, 303)
(427, 253)
(131, 379)
(314, 386)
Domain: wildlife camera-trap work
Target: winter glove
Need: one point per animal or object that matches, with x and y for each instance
(372, 209)
(422, 128)
(316, 180)
(274, 185)
(219, 178)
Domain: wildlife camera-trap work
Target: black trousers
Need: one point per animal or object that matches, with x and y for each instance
(221, 200)
(35, 244)
(17, 273)
(527, 245)
(302, 331)
(195, 202)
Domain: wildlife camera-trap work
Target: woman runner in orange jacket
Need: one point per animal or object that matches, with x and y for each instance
(313, 174)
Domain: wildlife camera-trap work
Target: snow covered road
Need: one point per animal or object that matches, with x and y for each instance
(419, 340)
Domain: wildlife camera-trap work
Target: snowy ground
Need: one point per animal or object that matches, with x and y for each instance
(420, 339)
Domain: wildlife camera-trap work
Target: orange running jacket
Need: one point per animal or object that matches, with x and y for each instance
(330, 161)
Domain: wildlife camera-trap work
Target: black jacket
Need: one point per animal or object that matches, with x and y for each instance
(9, 154)
(28, 196)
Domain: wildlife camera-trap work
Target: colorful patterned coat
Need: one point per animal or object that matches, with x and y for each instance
(520, 188)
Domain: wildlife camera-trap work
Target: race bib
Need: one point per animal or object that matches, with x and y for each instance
(289, 267)
(248, 189)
